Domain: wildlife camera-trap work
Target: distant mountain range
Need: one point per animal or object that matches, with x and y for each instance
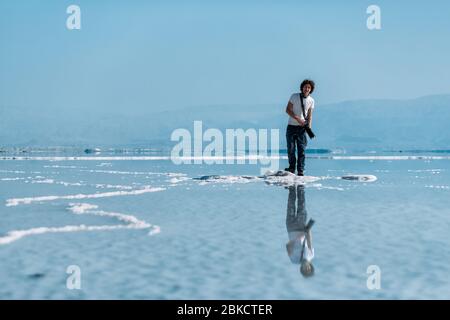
(421, 123)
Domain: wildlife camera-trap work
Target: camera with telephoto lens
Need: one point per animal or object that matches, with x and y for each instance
(309, 131)
(309, 225)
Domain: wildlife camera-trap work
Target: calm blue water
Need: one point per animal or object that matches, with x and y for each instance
(225, 239)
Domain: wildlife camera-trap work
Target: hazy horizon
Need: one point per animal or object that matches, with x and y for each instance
(136, 71)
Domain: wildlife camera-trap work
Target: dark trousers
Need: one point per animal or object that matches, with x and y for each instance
(296, 138)
(296, 217)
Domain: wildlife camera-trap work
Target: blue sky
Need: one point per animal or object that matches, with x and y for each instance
(136, 55)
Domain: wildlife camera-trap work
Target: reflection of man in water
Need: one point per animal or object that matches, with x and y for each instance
(299, 247)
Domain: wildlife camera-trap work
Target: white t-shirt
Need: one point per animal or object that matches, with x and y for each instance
(297, 107)
(298, 238)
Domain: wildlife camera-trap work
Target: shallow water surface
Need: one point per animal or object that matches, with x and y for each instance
(152, 230)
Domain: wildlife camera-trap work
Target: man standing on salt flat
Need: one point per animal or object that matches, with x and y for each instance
(300, 116)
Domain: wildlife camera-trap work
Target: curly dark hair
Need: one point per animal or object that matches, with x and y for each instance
(310, 82)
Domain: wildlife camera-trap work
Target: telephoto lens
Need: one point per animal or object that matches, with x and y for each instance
(310, 132)
(309, 224)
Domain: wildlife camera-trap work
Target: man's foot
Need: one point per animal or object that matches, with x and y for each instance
(300, 174)
(290, 170)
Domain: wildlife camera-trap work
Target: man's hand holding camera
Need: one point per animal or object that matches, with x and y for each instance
(300, 120)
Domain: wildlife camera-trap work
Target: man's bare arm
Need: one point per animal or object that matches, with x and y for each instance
(309, 240)
(310, 113)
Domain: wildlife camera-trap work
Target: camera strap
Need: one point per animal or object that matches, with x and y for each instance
(307, 230)
(303, 107)
(303, 249)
